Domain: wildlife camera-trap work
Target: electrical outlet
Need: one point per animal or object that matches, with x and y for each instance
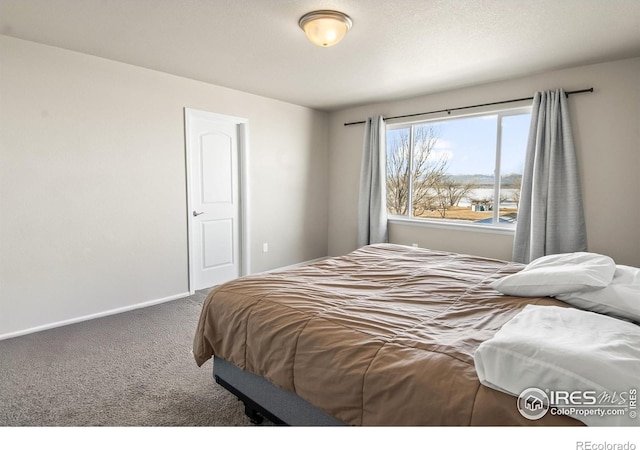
(265, 247)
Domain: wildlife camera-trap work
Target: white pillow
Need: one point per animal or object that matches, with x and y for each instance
(559, 274)
(564, 349)
(620, 299)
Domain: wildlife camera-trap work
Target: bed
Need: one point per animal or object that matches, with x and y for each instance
(383, 336)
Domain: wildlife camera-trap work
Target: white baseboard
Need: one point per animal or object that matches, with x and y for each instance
(303, 263)
(92, 316)
(127, 308)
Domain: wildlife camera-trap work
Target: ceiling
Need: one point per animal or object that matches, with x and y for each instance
(395, 49)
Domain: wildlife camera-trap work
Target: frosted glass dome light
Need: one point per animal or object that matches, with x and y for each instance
(325, 28)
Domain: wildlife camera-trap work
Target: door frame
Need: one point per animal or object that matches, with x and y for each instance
(242, 126)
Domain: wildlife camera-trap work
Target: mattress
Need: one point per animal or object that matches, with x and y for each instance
(382, 336)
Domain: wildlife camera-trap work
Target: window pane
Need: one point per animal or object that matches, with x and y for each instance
(446, 169)
(515, 130)
(454, 162)
(398, 145)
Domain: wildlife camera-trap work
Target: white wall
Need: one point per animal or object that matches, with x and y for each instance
(606, 128)
(93, 193)
(92, 183)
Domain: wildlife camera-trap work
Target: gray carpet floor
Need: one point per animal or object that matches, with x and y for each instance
(129, 369)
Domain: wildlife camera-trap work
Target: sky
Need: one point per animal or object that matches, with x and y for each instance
(470, 143)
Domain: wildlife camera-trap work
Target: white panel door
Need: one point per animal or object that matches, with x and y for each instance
(214, 198)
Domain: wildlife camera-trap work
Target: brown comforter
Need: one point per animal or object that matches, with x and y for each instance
(382, 336)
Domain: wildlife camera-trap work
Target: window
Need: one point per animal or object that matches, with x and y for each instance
(458, 170)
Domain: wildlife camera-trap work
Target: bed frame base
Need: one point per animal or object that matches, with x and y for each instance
(264, 400)
(252, 410)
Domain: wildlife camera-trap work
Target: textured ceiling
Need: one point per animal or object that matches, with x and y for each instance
(395, 49)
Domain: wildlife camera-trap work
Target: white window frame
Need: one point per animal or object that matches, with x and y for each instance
(496, 227)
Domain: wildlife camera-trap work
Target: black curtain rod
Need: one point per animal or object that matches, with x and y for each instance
(448, 110)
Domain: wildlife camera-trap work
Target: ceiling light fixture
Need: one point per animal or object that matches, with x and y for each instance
(325, 28)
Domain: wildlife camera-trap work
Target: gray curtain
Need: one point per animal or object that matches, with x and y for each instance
(550, 214)
(372, 202)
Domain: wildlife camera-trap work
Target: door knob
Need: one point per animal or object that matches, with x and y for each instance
(195, 213)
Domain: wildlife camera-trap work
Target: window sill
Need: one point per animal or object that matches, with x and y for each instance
(426, 223)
